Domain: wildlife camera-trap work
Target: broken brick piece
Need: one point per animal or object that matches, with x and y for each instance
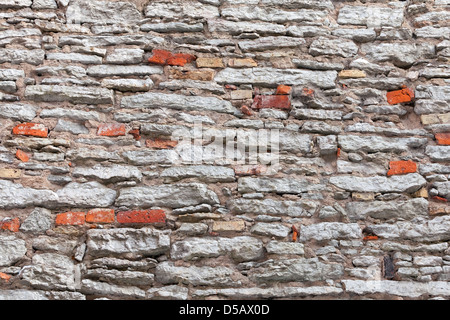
(272, 101)
(443, 138)
(135, 133)
(31, 129)
(401, 167)
(111, 130)
(295, 233)
(100, 216)
(440, 198)
(70, 219)
(5, 276)
(368, 238)
(10, 224)
(160, 56)
(161, 143)
(400, 96)
(22, 156)
(142, 216)
(283, 90)
(246, 110)
(164, 57)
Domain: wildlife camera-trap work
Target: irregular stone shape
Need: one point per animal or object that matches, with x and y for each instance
(104, 71)
(18, 111)
(102, 12)
(123, 241)
(238, 27)
(443, 189)
(365, 168)
(125, 56)
(12, 250)
(76, 95)
(109, 174)
(302, 270)
(330, 231)
(23, 294)
(316, 114)
(146, 157)
(438, 153)
(193, 84)
(168, 273)
(14, 195)
(370, 16)
(408, 183)
(358, 35)
(402, 55)
(50, 271)
(44, 4)
(433, 92)
(74, 57)
(15, 4)
(271, 77)
(173, 292)
(335, 47)
(299, 4)
(387, 209)
(115, 40)
(11, 74)
(39, 221)
(270, 229)
(178, 102)
(172, 27)
(103, 288)
(272, 207)
(408, 289)
(83, 154)
(276, 185)
(180, 9)
(125, 278)
(378, 144)
(239, 248)
(203, 173)
(171, 196)
(285, 248)
(270, 43)
(133, 85)
(15, 56)
(85, 195)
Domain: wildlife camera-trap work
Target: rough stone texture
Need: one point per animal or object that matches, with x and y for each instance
(224, 149)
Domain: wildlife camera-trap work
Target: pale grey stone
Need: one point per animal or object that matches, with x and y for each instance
(438, 153)
(272, 207)
(358, 35)
(109, 174)
(387, 209)
(330, 231)
(91, 287)
(39, 221)
(76, 95)
(366, 168)
(408, 183)
(144, 265)
(365, 65)
(271, 77)
(370, 16)
(16, 4)
(203, 173)
(168, 273)
(56, 245)
(133, 85)
(288, 270)
(238, 27)
(84, 195)
(171, 196)
(106, 40)
(123, 241)
(170, 27)
(433, 32)
(316, 114)
(335, 47)
(18, 111)
(270, 43)
(443, 189)
(7, 35)
(50, 271)
(83, 154)
(317, 65)
(12, 249)
(122, 71)
(146, 157)
(44, 4)
(8, 86)
(307, 31)
(14, 195)
(11, 74)
(193, 229)
(368, 128)
(178, 102)
(375, 83)
(327, 144)
(118, 277)
(285, 248)
(299, 4)
(70, 126)
(173, 292)
(378, 144)
(438, 168)
(75, 57)
(192, 84)
(402, 55)
(125, 56)
(180, 9)
(270, 229)
(17, 56)
(276, 185)
(433, 92)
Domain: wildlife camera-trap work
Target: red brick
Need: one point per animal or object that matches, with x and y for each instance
(440, 198)
(246, 110)
(5, 276)
(278, 102)
(22, 156)
(141, 216)
(306, 92)
(401, 167)
(100, 216)
(70, 219)
(161, 143)
(368, 238)
(443, 138)
(160, 56)
(164, 57)
(111, 130)
(31, 129)
(400, 96)
(282, 89)
(135, 133)
(295, 233)
(10, 224)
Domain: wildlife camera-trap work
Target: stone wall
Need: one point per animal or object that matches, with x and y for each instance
(110, 110)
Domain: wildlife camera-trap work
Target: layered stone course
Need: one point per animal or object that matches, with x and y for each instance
(124, 125)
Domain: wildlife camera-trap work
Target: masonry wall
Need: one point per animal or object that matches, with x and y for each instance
(108, 188)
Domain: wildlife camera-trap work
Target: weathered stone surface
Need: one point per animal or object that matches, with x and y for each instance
(285, 248)
(39, 221)
(122, 71)
(76, 95)
(170, 27)
(270, 229)
(12, 249)
(438, 153)
(74, 57)
(237, 27)
(15, 4)
(370, 16)
(122, 278)
(378, 144)
(272, 207)
(70, 126)
(276, 185)
(18, 111)
(85, 195)
(178, 9)
(203, 173)
(109, 174)
(403, 183)
(103, 288)
(16, 196)
(125, 56)
(337, 47)
(23, 294)
(133, 85)
(270, 43)
(15, 56)
(147, 157)
(401, 55)
(123, 241)
(172, 196)
(330, 231)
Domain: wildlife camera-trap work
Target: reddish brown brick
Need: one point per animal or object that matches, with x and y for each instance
(164, 57)
(111, 130)
(401, 167)
(135, 133)
(443, 138)
(70, 218)
(10, 224)
(100, 216)
(22, 156)
(283, 89)
(141, 216)
(31, 129)
(161, 143)
(246, 110)
(4, 276)
(400, 96)
(275, 101)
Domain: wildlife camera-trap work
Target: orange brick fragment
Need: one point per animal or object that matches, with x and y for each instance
(164, 57)
(306, 92)
(31, 129)
(278, 102)
(295, 234)
(440, 198)
(443, 138)
(111, 130)
(5, 276)
(246, 110)
(141, 216)
(10, 224)
(401, 167)
(100, 216)
(368, 238)
(400, 96)
(70, 219)
(135, 133)
(22, 156)
(283, 89)
(161, 143)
